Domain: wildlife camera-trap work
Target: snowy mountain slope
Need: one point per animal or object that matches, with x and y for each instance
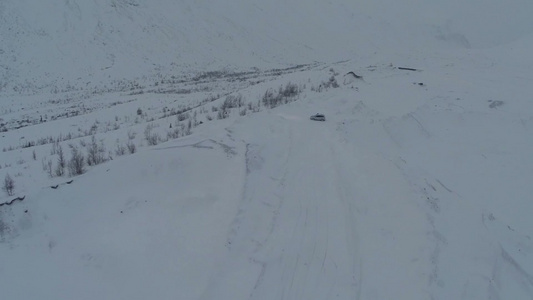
(90, 43)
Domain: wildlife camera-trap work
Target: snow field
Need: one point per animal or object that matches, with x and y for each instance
(417, 186)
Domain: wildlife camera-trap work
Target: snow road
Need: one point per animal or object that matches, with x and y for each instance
(306, 224)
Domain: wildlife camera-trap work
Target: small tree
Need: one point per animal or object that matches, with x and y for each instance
(9, 185)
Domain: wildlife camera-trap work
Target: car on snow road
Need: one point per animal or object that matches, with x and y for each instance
(318, 117)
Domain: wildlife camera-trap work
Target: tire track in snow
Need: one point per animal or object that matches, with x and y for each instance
(311, 195)
(295, 234)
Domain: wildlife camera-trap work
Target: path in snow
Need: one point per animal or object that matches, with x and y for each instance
(305, 212)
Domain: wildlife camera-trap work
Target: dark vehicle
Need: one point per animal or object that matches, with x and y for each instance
(318, 117)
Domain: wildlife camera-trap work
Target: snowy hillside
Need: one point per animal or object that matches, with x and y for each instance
(58, 44)
(163, 150)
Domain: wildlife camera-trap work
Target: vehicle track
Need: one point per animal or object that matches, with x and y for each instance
(296, 228)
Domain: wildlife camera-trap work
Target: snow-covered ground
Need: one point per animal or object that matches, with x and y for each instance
(417, 185)
(58, 44)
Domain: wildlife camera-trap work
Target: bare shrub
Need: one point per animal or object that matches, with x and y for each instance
(284, 95)
(95, 152)
(131, 147)
(131, 135)
(291, 90)
(269, 99)
(120, 150)
(331, 83)
(151, 137)
(183, 117)
(61, 162)
(9, 185)
(195, 119)
(55, 144)
(28, 144)
(188, 131)
(232, 101)
(47, 166)
(94, 128)
(44, 164)
(335, 73)
(222, 114)
(173, 133)
(76, 164)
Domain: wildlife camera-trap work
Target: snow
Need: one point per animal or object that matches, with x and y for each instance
(81, 44)
(417, 185)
